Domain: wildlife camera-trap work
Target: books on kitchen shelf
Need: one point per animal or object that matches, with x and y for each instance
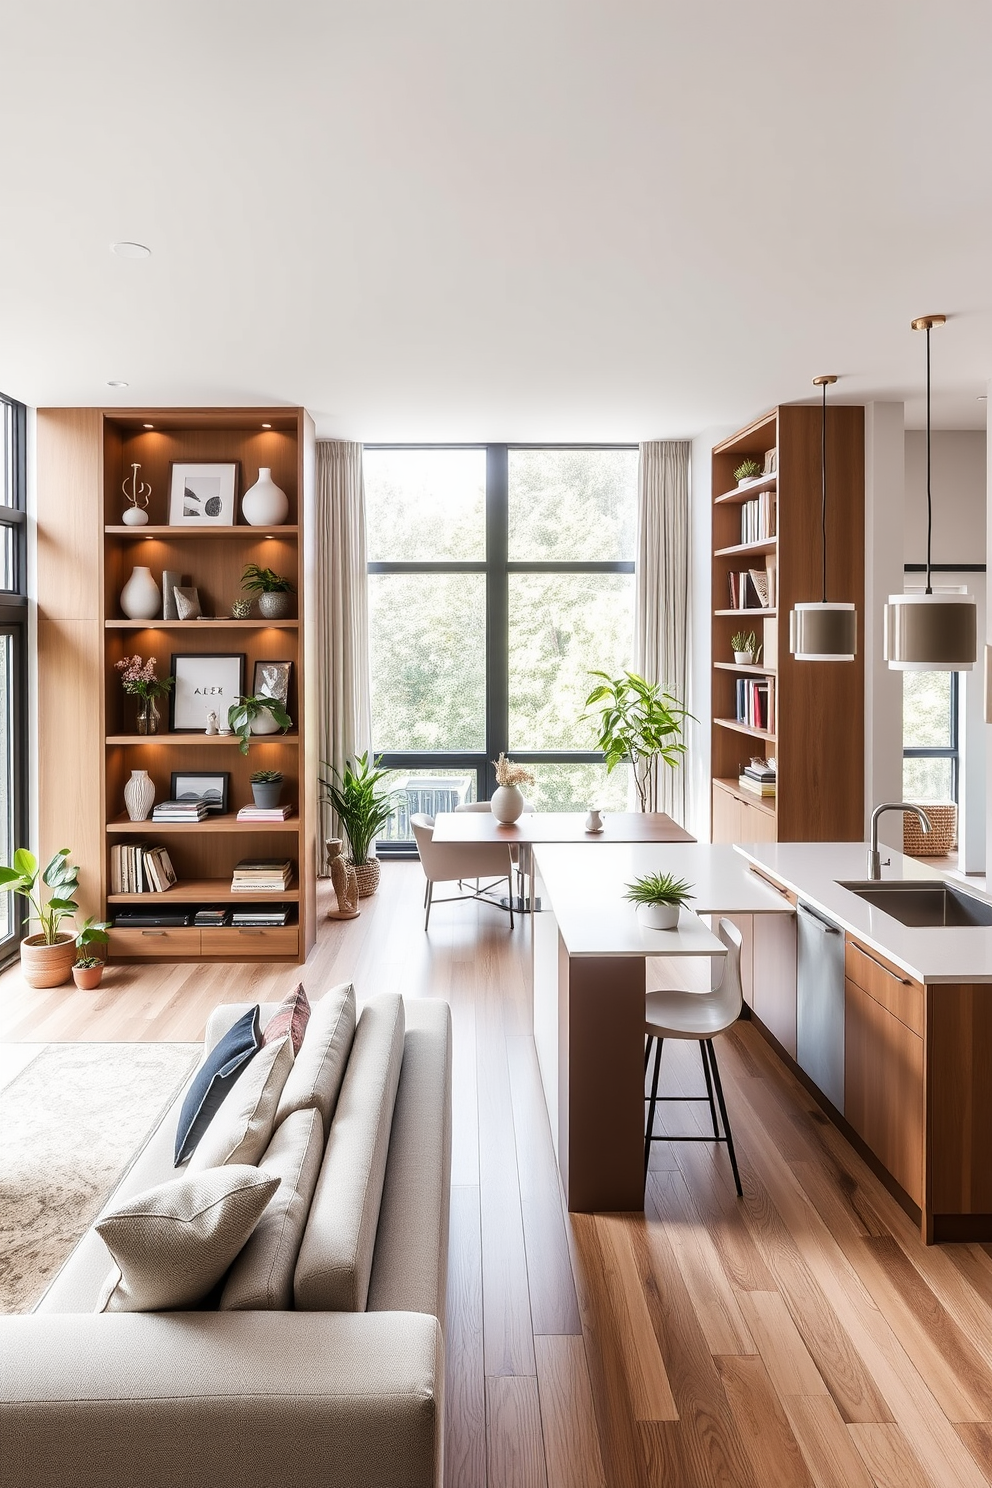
(140, 868)
(758, 518)
(756, 703)
(759, 779)
(180, 811)
(265, 813)
(262, 876)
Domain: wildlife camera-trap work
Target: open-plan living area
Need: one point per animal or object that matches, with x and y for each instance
(495, 695)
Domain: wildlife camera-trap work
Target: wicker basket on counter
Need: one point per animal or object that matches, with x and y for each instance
(943, 834)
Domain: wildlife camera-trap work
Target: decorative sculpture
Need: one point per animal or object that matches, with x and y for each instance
(213, 724)
(345, 881)
(137, 492)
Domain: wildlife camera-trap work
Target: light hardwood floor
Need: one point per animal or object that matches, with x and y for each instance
(802, 1336)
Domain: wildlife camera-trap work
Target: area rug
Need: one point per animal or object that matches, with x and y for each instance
(71, 1124)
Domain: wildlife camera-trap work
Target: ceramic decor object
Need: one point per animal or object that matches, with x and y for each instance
(658, 916)
(141, 598)
(275, 605)
(507, 803)
(265, 504)
(139, 795)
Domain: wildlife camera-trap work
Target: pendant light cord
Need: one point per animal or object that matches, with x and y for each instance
(929, 588)
(823, 490)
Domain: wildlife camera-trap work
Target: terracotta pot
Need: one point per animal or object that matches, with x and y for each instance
(47, 965)
(87, 977)
(368, 877)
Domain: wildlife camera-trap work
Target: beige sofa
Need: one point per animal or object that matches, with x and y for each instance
(267, 1399)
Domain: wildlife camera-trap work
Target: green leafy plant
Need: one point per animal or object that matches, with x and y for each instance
(255, 580)
(61, 878)
(266, 777)
(362, 809)
(638, 723)
(742, 642)
(242, 714)
(659, 888)
(746, 470)
(86, 963)
(91, 932)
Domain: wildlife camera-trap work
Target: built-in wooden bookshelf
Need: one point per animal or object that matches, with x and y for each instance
(816, 731)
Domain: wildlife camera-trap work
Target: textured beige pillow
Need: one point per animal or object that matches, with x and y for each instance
(174, 1242)
(242, 1127)
(316, 1076)
(262, 1276)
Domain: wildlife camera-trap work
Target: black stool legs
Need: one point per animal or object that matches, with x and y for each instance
(714, 1085)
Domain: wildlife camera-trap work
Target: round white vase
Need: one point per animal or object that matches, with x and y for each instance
(594, 821)
(507, 803)
(135, 516)
(264, 723)
(139, 795)
(264, 504)
(141, 598)
(658, 916)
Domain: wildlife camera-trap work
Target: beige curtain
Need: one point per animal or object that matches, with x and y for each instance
(661, 636)
(344, 722)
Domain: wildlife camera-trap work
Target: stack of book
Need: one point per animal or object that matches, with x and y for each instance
(267, 915)
(140, 868)
(262, 876)
(180, 811)
(758, 518)
(759, 780)
(264, 813)
(211, 917)
(756, 703)
(749, 590)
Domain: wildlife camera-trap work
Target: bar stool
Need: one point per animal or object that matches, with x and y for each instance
(699, 1016)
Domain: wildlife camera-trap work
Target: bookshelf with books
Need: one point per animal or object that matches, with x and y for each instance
(807, 718)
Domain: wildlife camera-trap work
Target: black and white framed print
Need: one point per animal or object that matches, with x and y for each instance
(203, 495)
(205, 684)
(212, 789)
(272, 679)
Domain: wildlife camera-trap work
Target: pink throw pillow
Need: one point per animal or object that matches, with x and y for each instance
(290, 1017)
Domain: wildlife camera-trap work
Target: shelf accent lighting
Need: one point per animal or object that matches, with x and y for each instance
(823, 630)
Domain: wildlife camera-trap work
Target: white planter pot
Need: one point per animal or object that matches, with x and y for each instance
(264, 723)
(141, 598)
(507, 803)
(658, 916)
(265, 504)
(139, 795)
(744, 658)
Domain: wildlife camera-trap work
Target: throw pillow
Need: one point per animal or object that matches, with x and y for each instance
(316, 1076)
(292, 1017)
(214, 1079)
(174, 1242)
(241, 1128)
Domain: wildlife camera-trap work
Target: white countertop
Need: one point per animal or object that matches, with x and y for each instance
(811, 869)
(585, 884)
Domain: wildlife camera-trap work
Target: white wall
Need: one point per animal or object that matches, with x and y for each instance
(885, 458)
(958, 482)
(700, 629)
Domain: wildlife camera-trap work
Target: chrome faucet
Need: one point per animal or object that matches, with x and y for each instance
(874, 860)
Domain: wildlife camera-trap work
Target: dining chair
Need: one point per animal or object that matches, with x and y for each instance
(451, 862)
(700, 1016)
(514, 847)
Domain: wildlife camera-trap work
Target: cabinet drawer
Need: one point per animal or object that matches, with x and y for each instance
(886, 983)
(180, 940)
(255, 940)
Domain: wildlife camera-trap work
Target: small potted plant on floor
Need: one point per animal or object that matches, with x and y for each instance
(272, 590)
(46, 958)
(658, 898)
(744, 646)
(88, 969)
(257, 715)
(746, 471)
(363, 812)
(86, 972)
(266, 787)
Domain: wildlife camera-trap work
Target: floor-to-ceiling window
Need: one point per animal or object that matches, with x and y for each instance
(930, 736)
(500, 576)
(13, 656)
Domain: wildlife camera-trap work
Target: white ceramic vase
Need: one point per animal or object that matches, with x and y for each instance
(507, 803)
(141, 598)
(594, 821)
(658, 916)
(264, 504)
(139, 795)
(135, 516)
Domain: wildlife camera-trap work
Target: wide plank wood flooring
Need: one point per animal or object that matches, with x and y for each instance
(800, 1336)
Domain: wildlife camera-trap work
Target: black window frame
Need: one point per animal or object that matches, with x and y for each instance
(13, 622)
(497, 569)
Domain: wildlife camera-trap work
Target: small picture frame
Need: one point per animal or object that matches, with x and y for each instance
(212, 788)
(272, 679)
(205, 684)
(203, 495)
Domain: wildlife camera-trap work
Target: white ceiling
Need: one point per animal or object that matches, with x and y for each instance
(522, 219)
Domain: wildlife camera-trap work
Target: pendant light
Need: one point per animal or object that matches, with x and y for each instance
(930, 632)
(823, 630)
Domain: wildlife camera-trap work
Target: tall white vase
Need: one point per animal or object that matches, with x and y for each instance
(264, 504)
(141, 598)
(507, 803)
(139, 795)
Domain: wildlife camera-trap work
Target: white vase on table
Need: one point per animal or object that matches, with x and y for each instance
(507, 803)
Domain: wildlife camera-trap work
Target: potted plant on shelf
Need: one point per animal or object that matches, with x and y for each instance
(139, 679)
(745, 648)
(508, 801)
(363, 812)
(272, 590)
(257, 715)
(658, 898)
(638, 723)
(266, 787)
(746, 471)
(46, 958)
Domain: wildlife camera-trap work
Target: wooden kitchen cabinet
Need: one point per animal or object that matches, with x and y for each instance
(884, 1086)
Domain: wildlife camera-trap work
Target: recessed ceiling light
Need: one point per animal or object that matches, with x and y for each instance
(114, 383)
(148, 426)
(130, 250)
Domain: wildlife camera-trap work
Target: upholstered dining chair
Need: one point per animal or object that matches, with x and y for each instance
(700, 1016)
(452, 862)
(486, 806)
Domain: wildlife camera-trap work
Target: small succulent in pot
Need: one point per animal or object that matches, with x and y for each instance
(273, 591)
(745, 647)
(747, 470)
(658, 898)
(266, 787)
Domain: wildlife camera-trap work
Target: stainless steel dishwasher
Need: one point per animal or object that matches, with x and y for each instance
(820, 1002)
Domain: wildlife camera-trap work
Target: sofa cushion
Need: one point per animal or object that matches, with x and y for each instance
(316, 1076)
(262, 1276)
(242, 1127)
(291, 1016)
(332, 1273)
(173, 1243)
(214, 1079)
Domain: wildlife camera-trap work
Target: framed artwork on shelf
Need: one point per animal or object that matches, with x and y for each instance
(203, 495)
(211, 788)
(205, 684)
(272, 679)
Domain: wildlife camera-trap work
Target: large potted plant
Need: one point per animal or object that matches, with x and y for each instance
(638, 723)
(363, 812)
(46, 958)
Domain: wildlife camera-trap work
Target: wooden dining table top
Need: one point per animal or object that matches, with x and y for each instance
(558, 826)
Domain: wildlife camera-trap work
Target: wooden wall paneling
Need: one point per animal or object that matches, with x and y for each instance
(70, 546)
(959, 1099)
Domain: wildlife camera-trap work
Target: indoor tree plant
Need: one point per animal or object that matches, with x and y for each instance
(638, 723)
(257, 715)
(139, 679)
(272, 590)
(46, 958)
(266, 788)
(659, 897)
(363, 812)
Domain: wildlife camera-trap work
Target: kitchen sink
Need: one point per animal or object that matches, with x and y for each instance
(924, 903)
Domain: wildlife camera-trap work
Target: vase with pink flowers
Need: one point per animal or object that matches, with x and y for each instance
(140, 679)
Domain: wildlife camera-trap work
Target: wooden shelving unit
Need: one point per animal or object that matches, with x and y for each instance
(817, 737)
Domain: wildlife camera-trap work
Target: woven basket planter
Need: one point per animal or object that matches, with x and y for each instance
(942, 837)
(368, 877)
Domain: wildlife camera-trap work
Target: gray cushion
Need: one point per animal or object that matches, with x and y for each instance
(332, 1273)
(316, 1076)
(242, 1127)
